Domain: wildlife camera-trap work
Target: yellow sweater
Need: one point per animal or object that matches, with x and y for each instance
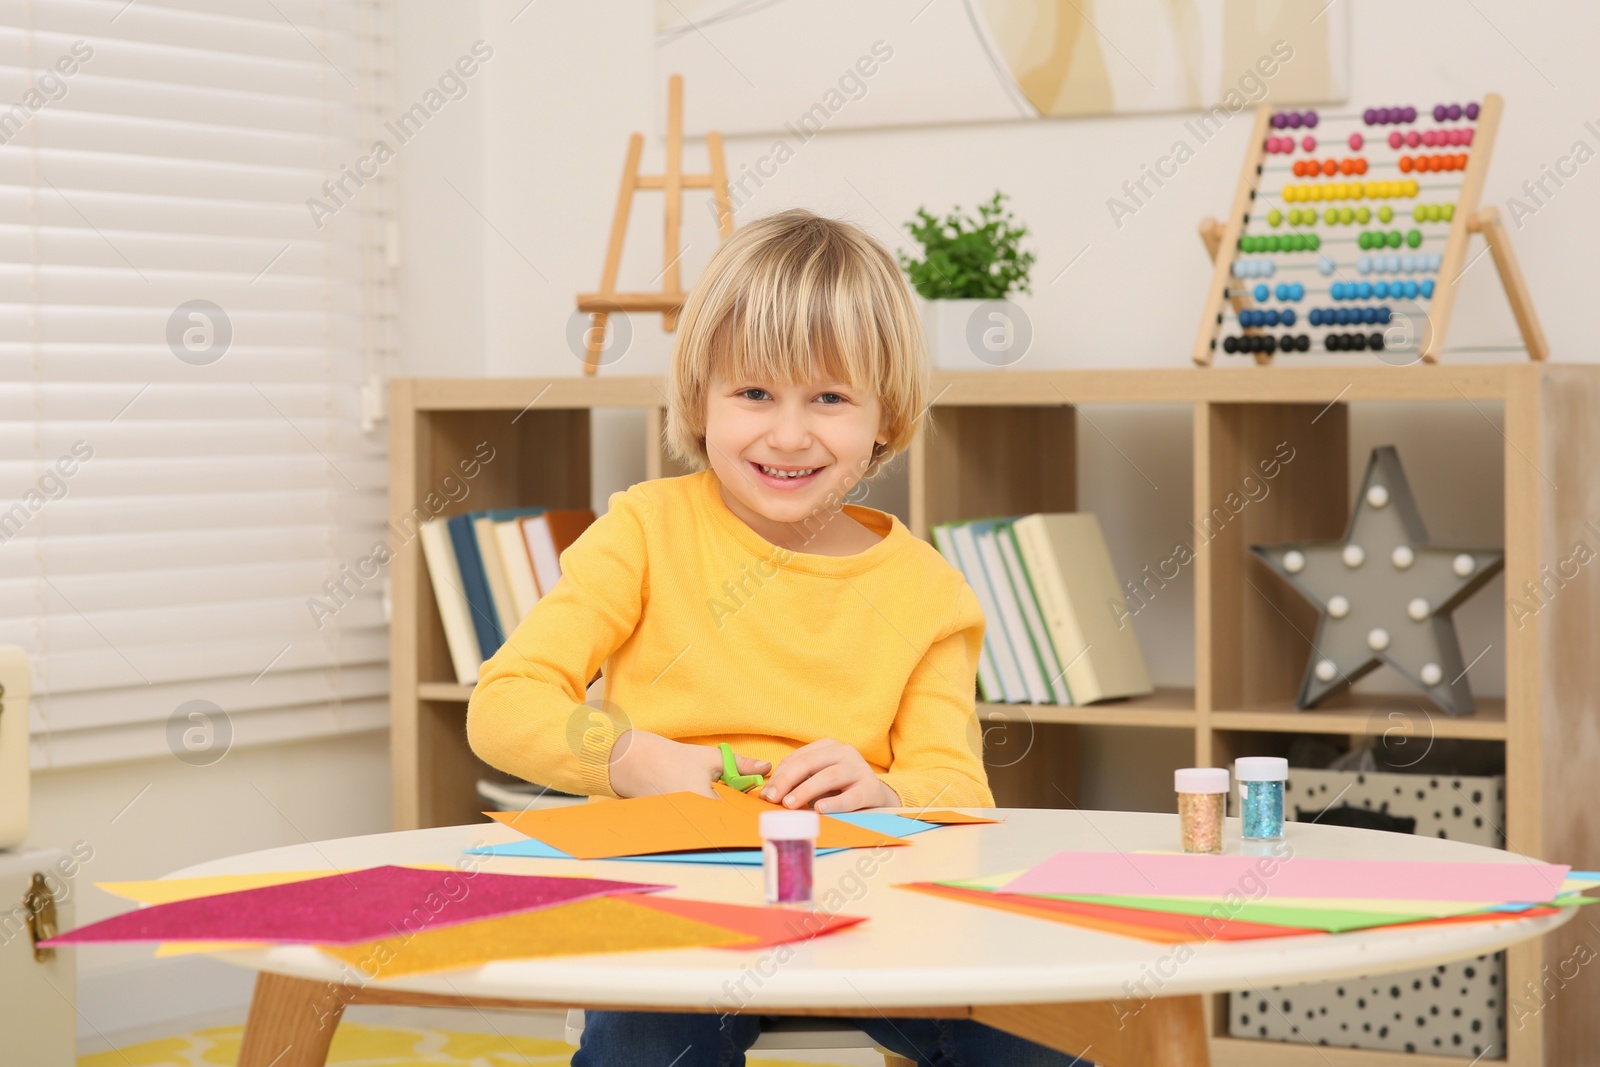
(710, 633)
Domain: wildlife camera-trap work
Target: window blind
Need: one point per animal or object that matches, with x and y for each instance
(185, 468)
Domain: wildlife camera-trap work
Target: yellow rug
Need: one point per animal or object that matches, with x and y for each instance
(355, 1045)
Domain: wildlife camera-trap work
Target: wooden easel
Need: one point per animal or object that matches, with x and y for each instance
(1222, 244)
(669, 301)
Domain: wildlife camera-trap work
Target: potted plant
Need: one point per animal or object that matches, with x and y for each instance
(968, 269)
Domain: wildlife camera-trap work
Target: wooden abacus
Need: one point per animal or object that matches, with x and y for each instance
(672, 181)
(1258, 195)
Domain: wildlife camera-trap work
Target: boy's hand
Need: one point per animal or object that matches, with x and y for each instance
(643, 764)
(829, 775)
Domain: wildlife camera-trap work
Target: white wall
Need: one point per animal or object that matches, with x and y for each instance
(569, 82)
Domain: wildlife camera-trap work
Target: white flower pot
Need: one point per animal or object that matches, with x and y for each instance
(975, 334)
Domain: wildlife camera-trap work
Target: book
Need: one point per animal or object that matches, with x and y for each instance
(1005, 597)
(1071, 571)
(1028, 600)
(497, 563)
(548, 535)
(439, 554)
(485, 619)
(518, 565)
(1005, 659)
(988, 678)
(494, 574)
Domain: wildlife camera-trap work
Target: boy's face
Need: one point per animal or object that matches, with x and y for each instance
(752, 427)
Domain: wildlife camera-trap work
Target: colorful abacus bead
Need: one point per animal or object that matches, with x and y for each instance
(1254, 268)
(1386, 116)
(1452, 112)
(1352, 342)
(1355, 142)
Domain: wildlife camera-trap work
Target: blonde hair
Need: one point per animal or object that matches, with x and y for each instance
(788, 294)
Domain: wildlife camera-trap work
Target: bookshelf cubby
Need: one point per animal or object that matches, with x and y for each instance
(1005, 442)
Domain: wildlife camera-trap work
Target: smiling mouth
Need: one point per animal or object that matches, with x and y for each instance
(785, 476)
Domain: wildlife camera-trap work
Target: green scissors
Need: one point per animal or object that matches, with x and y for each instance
(730, 772)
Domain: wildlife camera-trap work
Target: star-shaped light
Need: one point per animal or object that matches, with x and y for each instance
(1385, 594)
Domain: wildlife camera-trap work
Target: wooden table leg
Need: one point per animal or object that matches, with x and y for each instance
(292, 1021)
(1163, 1032)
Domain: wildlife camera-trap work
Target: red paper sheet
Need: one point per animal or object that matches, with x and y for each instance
(766, 925)
(343, 909)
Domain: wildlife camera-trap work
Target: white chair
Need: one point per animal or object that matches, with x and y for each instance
(790, 1033)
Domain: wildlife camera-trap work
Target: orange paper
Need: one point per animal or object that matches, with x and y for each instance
(974, 896)
(1161, 927)
(669, 822)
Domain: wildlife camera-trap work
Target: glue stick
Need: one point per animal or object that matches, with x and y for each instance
(788, 846)
(1261, 781)
(1202, 796)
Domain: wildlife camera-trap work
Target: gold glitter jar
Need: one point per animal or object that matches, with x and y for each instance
(1202, 798)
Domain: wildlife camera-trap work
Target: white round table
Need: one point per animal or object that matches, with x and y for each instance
(917, 954)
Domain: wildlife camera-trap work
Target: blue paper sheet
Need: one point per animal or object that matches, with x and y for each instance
(882, 822)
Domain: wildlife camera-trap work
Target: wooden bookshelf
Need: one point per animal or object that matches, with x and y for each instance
(1004, 442)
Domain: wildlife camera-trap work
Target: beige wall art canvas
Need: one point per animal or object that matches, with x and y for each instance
(801, 66)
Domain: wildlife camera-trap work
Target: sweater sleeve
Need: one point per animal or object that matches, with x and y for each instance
(527, 714)
(936, 742)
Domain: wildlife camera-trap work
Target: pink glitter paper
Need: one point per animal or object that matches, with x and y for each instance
(344, 909)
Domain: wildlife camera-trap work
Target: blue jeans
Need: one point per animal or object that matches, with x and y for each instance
(671, 1039)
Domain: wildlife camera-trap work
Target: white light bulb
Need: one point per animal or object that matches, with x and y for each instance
(1354, 555)
(1403, 557)
(1418, 609)
(1326, 670)
(1338, 607)
(1377, 496)
(1431, 674)
(1377, 639)
(1294, 562)
(1463, 565)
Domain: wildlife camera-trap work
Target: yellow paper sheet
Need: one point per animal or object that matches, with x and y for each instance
(189, 948)
(602, 924)
(949, 818)
(167, 890)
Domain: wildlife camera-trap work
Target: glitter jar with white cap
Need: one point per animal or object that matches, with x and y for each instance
(1202, 797)
(1261, 781)
(788, 850)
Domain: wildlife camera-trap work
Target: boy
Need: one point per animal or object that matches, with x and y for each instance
(748, 603)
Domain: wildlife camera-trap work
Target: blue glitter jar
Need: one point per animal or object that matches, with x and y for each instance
(1261, 781)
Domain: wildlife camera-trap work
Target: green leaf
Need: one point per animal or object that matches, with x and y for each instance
(965, 258)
